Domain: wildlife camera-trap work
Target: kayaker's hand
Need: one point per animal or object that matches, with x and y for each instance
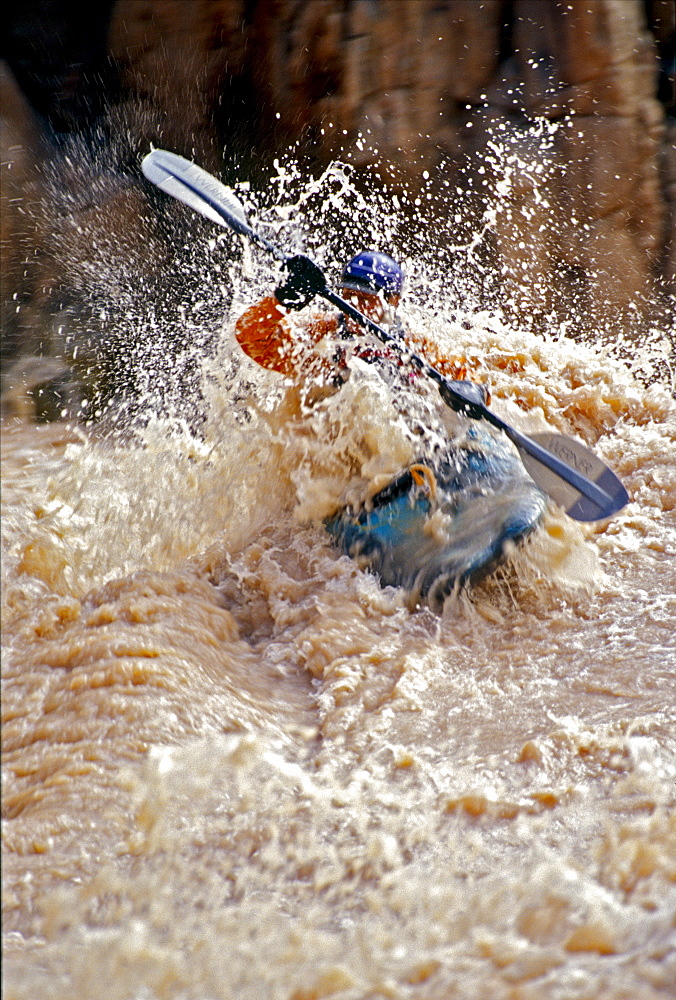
(465, 397)
(304, 280)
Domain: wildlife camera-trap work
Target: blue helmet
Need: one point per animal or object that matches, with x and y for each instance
(371, 271)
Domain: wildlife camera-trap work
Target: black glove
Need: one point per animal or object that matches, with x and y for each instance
(304, 279)
(473, 396)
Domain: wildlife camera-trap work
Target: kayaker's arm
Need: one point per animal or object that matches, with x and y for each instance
(265, 334)
(269, 339)
(453, 368)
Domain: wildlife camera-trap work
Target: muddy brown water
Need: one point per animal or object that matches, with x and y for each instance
(235, 767)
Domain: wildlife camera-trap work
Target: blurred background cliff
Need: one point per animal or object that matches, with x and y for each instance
(402, 89)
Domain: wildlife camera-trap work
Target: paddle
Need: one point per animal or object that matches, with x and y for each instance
(565, 469)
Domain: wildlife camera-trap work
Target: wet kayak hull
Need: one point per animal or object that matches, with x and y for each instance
(445, 523)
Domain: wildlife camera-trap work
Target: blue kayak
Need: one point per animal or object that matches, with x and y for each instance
(443, 523)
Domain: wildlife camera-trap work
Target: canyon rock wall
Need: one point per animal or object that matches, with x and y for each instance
(405, 86)
(416, 85)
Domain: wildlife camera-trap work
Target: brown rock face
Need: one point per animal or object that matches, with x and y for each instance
(406, 86)
(20, 151)
(668, 173)
(424, 85)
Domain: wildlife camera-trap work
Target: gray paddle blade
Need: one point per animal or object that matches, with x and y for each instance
(196, 188)
(578, 506)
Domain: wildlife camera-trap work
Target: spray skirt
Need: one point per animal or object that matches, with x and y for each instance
(443, 523)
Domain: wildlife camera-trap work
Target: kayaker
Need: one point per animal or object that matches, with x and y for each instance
(319, 346)
(390, 531)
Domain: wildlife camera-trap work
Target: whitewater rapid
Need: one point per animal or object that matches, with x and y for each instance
(235, 766)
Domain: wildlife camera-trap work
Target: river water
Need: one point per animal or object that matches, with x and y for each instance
(235, 767)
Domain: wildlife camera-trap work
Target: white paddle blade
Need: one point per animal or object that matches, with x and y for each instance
(188, 183)
(578, 457)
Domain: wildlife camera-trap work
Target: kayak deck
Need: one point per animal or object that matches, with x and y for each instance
(449, 523)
